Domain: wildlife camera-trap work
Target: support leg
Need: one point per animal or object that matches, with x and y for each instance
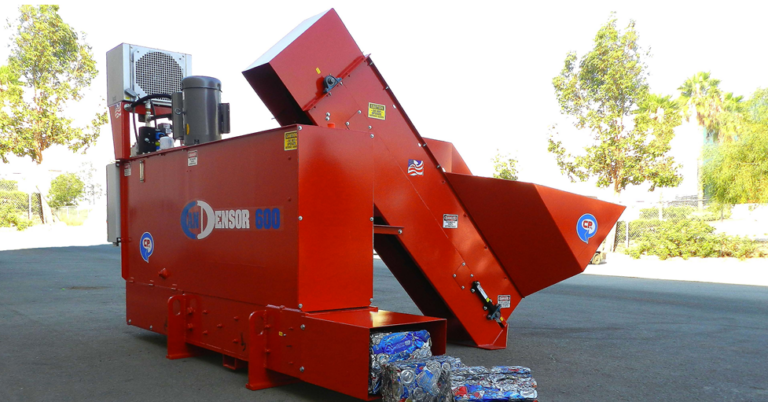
(259, 376)
(178, 348)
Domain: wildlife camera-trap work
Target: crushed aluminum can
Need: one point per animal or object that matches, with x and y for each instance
(393, 347)
(500, 383)
(419, 380)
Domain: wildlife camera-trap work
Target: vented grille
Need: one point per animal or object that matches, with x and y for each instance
(158, 73)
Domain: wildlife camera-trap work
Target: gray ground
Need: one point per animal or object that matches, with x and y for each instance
(590, 338)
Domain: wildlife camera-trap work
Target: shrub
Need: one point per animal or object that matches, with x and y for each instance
(9, 217)
(692, 238)
(66, 189)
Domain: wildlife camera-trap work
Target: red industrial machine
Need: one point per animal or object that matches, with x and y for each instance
(258, 247)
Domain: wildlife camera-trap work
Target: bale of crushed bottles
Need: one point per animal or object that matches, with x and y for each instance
(419, 380)
(500, 383)
(392, 347)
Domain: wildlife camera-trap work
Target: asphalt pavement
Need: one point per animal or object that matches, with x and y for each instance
(591, 338)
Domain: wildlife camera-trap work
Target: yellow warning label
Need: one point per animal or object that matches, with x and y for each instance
(291, 140)
(376, 111)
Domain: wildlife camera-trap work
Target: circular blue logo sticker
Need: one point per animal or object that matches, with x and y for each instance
(586, 227)
(146, 246)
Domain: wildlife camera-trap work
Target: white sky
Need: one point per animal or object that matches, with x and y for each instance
(476, 74)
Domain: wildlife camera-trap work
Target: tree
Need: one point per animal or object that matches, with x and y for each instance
(49, 68)
(718, 114)
(737, 171)
(504, 167)
(606, 93)
(66, 189)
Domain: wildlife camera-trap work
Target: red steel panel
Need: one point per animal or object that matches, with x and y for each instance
(447, 156)
(533, 229)
(245, 175)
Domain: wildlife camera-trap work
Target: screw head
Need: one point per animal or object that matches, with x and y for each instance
(302, 327)
(399, 231)
(150, 327)
(301, 369)
(454, 275)
(129, 321)
(327, 118)
(472, 290)
(371, 135)
(370, 127)
(462, 288)
(347, 124)
(300, 218)
(371, 219)
(299, 128)
(327, 113)
(301, 305)
(359, 111)
(485, 308)
(463, 264)
(471, 275)
(438, 166)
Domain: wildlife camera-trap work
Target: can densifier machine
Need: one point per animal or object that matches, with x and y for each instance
(258, 247)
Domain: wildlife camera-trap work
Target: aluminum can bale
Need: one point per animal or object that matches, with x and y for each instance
(419, 380)
(500, 383)
(393, 347)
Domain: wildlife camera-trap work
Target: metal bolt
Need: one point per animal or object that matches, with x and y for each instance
(454, 275)
(150, 327)
(370, 127)
(399, 231)
(327, 113)
(371, 219)
(371, 135)
(301, 305)
(438, 166)
(347, 123)
(327, 118)
(299, 128)
(463, 264)
(371, 299)
(462, 288)
(302, 327)
(301, 369)
(300, 218)
(359, 111)
(471, 275)
(129, 321)
(472, 290)
(485, 308)
(425, 145)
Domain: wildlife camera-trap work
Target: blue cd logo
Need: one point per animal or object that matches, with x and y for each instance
(146, 246)
(586, 227)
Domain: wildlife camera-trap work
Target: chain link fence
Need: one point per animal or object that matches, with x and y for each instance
(18, 204)
(644, 217)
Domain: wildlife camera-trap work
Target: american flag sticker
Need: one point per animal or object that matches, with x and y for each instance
(415, 167)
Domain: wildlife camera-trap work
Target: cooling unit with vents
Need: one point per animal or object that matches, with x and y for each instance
(136, 71)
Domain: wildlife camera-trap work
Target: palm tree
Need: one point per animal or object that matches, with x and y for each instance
(701, 95)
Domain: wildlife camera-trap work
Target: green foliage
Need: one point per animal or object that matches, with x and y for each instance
(607, 93)
(49, 67)
(504, 167)
(66, 189)
(737, 171)
(692, 238)
(10, 217)
(9, 185)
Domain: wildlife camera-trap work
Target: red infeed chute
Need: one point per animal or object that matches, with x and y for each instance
(513, 238)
